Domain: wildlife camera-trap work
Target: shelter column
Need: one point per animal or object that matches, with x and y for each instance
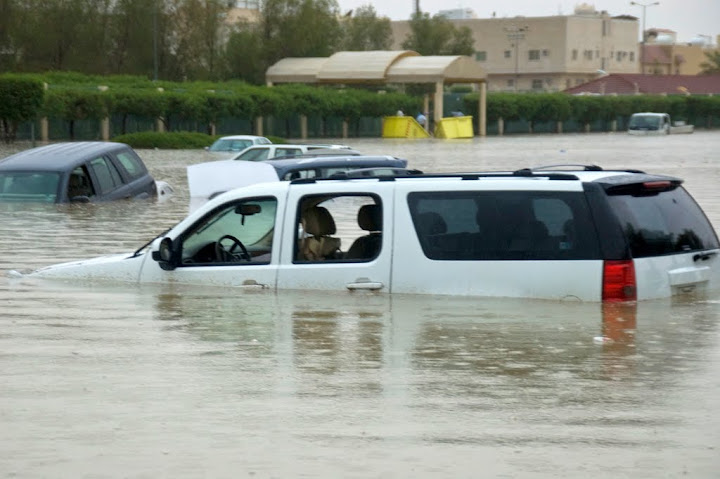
(438, 100)
(482, 110)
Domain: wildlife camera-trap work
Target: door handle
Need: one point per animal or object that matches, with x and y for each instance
(251, 283)
(364, 285)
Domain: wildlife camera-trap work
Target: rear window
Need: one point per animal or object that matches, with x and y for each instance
(29, 186)
(508, 225)
(662, 223)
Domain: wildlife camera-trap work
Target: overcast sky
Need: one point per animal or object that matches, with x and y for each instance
(686, 17)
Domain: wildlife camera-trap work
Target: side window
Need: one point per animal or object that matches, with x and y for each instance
(107, 175)
(294, 175)
(522, 225)
(339, 228)
(665, 223)
(132, 164)
(79, 184)
(238, 233)
(257, 154)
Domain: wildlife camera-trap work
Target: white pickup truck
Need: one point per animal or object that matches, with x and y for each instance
(649, 123)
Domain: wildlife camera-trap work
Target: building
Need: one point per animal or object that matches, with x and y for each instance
(548, 53)
(663, 55)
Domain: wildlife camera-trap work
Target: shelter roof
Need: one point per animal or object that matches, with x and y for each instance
(401, 66)
(627, 84)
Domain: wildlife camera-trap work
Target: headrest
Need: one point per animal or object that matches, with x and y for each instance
(318, 222)
(431, 223)
(370, 218)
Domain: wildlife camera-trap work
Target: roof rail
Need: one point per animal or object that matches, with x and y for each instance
(575, 167)
(418, 174)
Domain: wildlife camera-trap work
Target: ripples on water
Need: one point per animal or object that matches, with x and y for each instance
(109, 380)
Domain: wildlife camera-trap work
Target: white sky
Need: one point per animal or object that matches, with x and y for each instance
(686, 17)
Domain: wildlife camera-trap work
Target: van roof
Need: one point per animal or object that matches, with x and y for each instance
(58, 156)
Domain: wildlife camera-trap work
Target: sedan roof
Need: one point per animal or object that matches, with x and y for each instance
(58, 156)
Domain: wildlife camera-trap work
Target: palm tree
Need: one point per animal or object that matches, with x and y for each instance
(713, 63)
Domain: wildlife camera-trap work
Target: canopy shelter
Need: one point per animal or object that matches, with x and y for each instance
(381, 67)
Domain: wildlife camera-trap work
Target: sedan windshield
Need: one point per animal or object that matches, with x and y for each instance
(230, 145)
(28, 186)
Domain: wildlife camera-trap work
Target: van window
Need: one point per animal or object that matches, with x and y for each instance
(338, 228)
(668, 222)
(237, 233)
(106, 173)
(257, 154)
(132, 164)
(504, 225)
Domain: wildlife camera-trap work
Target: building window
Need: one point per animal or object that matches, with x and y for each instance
(587, 54)
(597, 53)
(546, 53)
(507, 54)
(533, 55)
(619, 56)
(511, 83)
(481, 56)
(537, 84)
(574, 54)
(632, 56)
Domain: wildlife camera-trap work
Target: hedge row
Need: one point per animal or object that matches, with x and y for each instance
(539, 107)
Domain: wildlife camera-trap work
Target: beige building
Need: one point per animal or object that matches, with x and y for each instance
(663, 55)
(549, 53)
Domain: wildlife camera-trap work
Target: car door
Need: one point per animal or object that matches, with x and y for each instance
(108, 183)
(315, 250)
(232, 244)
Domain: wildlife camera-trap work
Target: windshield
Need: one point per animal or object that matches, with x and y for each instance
(29, 186)
(230, 145)
(644, 122)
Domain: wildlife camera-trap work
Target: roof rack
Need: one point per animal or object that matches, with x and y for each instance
(574, 167)
(402, 172)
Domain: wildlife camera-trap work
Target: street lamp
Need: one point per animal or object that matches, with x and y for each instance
(515, 34)
(642, 43)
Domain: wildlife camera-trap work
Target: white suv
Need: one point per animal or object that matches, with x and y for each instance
(268, 152)
(584, 234)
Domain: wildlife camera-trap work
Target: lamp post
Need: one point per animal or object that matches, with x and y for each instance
(642, 43)
(515, 34)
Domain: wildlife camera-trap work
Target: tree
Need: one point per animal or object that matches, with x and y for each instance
(437, 36)
(711, 66)
(364, 31)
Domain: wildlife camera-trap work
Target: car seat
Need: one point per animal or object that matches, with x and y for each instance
(318, 224)
(369, 219)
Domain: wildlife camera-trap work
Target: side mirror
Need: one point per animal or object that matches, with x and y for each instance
(165, 255)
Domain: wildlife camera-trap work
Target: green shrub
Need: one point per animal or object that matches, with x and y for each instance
(178, 140)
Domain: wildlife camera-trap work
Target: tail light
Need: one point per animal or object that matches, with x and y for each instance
(619, 281)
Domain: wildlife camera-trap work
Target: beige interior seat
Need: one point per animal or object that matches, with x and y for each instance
(318, 245)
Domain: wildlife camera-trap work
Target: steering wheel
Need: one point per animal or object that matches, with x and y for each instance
(229, 255)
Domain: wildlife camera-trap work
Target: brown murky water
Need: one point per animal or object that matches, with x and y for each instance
(122, 381)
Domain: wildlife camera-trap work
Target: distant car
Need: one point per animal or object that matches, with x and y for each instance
(268, 152)
(208, 180)
(236, 143)
(87, 171)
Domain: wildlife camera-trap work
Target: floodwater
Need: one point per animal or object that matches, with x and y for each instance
(122, 381)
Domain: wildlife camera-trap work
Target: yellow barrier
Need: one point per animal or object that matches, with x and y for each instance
(455, 127)
(403, 127)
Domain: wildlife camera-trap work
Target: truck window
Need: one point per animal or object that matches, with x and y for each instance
(503, 225)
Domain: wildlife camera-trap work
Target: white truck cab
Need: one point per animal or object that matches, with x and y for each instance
(585, 234)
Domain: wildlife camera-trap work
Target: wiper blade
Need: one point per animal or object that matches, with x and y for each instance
(137, 252)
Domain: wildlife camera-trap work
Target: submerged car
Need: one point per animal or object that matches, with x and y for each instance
(86, 171)
(236, 143)
(268, 152)
(581, 234)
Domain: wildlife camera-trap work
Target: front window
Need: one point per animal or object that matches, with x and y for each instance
(238, 233)
(230, 145)
(29, 186)
(508, 225)
(644, 122)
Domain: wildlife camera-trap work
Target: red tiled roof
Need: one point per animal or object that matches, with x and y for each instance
(628, 84)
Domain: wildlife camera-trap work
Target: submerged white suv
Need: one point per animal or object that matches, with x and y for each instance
(583, 233)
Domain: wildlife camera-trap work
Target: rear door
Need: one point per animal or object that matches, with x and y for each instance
(333, 265)
(673, 245)
(495, 237)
